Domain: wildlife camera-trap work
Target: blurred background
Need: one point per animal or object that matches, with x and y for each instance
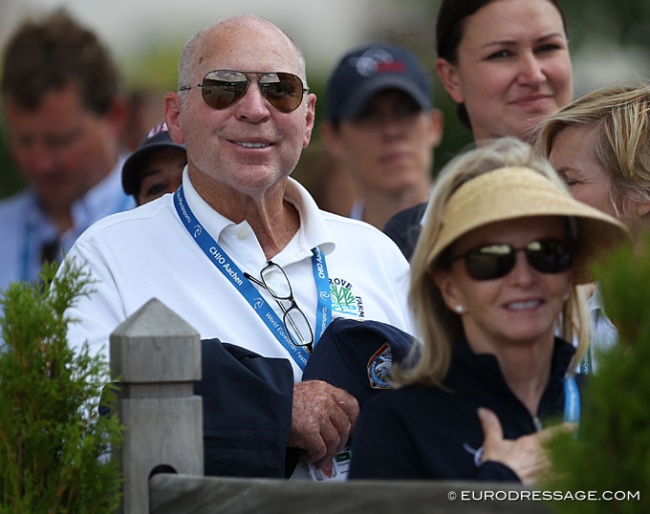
(610, 41)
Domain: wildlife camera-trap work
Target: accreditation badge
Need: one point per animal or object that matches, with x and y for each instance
(340, 468)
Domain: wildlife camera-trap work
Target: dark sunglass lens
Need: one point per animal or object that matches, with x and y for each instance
(282, 90)
(549, 256)
(223, 88)
(490, 262)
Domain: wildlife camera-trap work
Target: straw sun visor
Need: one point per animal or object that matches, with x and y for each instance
(516, 192)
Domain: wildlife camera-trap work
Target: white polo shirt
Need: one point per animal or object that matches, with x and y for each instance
(148, 253)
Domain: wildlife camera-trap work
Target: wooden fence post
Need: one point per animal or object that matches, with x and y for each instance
(156, 357)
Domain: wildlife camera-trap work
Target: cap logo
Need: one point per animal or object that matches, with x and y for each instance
(161, 127)
(374, 61)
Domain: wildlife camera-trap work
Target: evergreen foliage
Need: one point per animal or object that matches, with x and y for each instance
(53, 443)
(612, 449)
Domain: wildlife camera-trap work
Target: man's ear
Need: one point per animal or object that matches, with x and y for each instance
(172, 110)
(643, 209)
(310, 119)
(117, 115)
(332, 139)
(450, 79)
(437, 123)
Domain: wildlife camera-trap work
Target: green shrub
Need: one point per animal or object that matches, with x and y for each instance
(612, 450)
(54, 445)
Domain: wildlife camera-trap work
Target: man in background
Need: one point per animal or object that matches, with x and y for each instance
(63, 119)
(381, 122)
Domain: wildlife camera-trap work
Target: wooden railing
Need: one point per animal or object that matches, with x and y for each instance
(156, 356)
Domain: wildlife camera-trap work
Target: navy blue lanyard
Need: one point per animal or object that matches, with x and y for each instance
(231, 271)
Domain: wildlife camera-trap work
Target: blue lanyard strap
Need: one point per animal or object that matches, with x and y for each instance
(571, 400)
(235, 276)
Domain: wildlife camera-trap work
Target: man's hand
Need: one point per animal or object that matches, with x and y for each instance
(526, 456)
(323, 417)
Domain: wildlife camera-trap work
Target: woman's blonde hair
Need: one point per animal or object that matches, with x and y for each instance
(621, 113)
(437, 326)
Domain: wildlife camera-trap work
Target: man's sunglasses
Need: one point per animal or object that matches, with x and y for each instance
(222, 88)
(494, 261)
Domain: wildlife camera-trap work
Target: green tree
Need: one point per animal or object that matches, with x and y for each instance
(612, 449)
(53, 442)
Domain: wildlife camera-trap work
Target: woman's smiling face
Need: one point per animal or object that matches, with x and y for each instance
(520, 307)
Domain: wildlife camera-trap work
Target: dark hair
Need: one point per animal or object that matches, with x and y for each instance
(450, 26)
(46, 56)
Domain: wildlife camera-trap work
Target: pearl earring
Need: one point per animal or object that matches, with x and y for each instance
(459, 309)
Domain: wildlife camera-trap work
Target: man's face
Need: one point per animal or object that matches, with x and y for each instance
(60, 148)
(250, 146)
(389, 146)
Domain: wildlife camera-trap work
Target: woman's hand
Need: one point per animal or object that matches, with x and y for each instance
(526, 456)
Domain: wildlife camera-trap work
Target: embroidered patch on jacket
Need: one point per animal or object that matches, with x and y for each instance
(344, 301)
(379, 367)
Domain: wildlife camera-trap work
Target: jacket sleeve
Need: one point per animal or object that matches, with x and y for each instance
(247, 402)
(381, 448)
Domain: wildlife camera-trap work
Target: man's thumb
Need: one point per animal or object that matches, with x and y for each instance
(492, 431)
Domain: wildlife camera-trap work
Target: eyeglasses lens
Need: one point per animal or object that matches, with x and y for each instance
(276, 282)
(496, 261)
(298, 327)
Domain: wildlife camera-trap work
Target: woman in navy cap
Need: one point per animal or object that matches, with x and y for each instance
(155, 168)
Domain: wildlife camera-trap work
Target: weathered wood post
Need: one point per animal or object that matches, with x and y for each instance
(156, 356)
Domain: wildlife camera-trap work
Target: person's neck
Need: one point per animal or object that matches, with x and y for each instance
(379, 207)
(526, 369)
(60, 213)
(60, 216)
(273, 220)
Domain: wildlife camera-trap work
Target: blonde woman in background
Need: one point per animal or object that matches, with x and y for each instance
(600, 145)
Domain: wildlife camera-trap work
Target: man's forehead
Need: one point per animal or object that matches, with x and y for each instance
(247, 48)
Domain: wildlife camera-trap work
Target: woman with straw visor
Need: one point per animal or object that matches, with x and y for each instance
(494, 279)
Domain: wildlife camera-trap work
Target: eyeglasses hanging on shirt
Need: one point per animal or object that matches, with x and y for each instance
(276, 282)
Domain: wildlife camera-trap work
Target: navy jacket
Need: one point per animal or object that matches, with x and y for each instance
(418, 432)
(247, 402)
(404, 228)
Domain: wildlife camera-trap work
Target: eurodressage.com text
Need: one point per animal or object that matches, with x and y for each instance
(526, 495)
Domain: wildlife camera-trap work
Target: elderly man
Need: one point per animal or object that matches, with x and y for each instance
(63, 116)
(241, 251)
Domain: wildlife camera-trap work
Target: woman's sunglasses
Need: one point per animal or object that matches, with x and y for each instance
(494, 261)
(222, 88)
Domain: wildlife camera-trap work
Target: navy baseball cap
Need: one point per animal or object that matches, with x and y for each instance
(365, 71)
(157, 138)
(357, 355)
